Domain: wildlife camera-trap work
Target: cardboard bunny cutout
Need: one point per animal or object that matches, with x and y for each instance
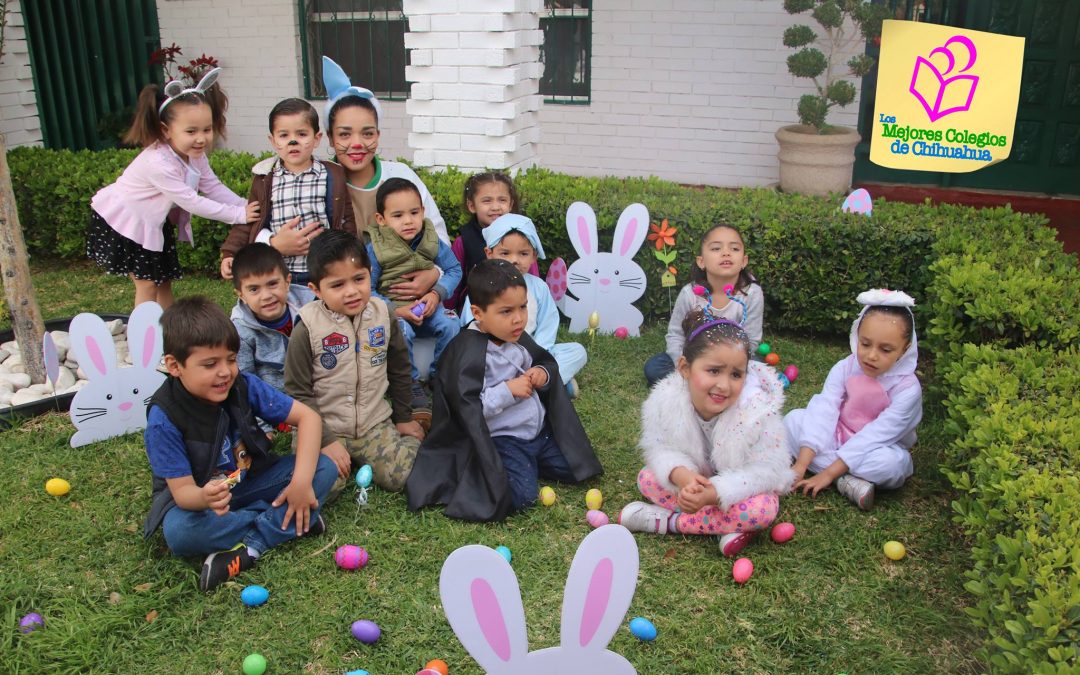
(482, 601)
(603, 282)
(114, 402)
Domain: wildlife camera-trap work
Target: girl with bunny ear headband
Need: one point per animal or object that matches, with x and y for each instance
(859, 430)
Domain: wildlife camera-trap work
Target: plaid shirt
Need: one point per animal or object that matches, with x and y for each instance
(292, 195)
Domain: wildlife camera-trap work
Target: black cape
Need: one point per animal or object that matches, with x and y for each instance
(457, 464)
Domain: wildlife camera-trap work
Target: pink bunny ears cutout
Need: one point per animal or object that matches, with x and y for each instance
(175, 89)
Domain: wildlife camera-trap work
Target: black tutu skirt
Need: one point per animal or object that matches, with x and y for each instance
(117, 254)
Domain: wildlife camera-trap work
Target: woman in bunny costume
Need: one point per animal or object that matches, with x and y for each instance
(858, 431)
(131, 230)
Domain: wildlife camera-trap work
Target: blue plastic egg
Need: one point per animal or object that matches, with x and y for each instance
(357, 672)
(642, 629)
(253, 596)
(784, 380)
(504, 552)
(363, 476)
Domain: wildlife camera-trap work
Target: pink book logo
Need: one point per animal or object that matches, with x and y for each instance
(940, 96)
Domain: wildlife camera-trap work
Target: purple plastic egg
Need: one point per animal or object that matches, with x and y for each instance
(596, 518)
(31, 622)
(791, 372)
(782, 532)
(742, 570)
(366, 631)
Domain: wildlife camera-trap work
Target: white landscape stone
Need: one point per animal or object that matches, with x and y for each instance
(17, 380)
(4, 354)
(5, 397)
(24, 396)
(116, 326)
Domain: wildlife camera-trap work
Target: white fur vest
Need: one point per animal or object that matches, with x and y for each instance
(748, 453)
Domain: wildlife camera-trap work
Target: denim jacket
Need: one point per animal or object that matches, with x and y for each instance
(262, 349)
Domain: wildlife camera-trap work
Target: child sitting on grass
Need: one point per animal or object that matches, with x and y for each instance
(216, 485)
(502, 418)
(346, 354)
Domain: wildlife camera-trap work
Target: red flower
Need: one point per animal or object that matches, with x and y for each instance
(663, 235)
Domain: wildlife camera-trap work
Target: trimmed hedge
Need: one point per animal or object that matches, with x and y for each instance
(811, 258)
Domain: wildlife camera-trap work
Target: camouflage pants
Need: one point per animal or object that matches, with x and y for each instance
(390, 455)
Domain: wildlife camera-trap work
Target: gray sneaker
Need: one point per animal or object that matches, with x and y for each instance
(644, 517)
(859, 491)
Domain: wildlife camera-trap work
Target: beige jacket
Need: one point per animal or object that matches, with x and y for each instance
(344, 366)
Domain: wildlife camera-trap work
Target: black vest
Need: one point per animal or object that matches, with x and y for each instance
(472, 238)
(204, 426)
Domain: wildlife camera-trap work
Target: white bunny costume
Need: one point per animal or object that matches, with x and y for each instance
(879, 451)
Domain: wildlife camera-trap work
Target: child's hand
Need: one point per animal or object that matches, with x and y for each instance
(301, 499)
(520, 386)
(339, 456)
(293, 239)
(419, 283)
(253, 212)
(405, 312)
(432, 303)
(815, 484)
(696, 496)
(410, 428)
(226, 268)
(537, 376)
(217, 496)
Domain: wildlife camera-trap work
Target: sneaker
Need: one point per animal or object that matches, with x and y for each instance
(732, 543)
(643, 517)
(859, 491)
(421, 405)
(316, 528)
(224, 565)
(572, 388)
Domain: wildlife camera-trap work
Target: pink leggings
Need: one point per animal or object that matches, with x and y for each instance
(751, 515)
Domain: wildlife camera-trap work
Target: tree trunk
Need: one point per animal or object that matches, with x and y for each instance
(18, 289)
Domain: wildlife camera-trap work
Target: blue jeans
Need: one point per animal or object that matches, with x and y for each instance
(439, 326)
(526, 461)
(251, 519)
(658, 367)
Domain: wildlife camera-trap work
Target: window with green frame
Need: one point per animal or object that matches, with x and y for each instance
(365, 37)
(567, 51)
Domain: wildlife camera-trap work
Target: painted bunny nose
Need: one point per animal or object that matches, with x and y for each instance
(126, 406)
(605, 282)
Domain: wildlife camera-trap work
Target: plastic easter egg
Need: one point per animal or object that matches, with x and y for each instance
(763, 348)
(622, 332)
(791, 372)
(547, 496)
(782, 532)
(438, 665)
(556, 278)
(428, 671)
(31, 622)
(350, 557)
(742, 570)
(772, 358)
(366, 631)
(596, 518)
(253, 596)
(783, 380)
(894, 550)
(363, 476)
(358, 672)
(57, 487)
(504, 552)
(642, 629)
(254, 664)
(594, 499)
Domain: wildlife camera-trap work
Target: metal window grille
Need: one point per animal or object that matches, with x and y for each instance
(365, 37)
(567, 51)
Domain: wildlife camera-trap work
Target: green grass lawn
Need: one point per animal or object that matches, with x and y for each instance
(826, 602)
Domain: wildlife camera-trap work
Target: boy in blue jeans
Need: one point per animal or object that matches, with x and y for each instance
(405, 241)
(217, 489)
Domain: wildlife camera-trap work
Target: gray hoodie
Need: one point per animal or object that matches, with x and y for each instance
(262, 349)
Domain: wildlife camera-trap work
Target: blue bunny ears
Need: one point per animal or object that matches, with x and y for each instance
(338, 87)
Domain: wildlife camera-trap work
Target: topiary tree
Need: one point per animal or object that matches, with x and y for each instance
(821, 67)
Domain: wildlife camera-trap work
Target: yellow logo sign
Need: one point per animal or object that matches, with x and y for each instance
(946, 97)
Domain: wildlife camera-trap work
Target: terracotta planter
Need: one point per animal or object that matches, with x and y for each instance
(813, 163)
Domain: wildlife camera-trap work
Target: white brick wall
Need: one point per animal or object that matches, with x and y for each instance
(258, 45)
(19, 121)
(691, 91)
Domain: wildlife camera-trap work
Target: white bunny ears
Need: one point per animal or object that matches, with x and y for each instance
(175, 89)
(885, 297)
(338, 87)
(482, 601)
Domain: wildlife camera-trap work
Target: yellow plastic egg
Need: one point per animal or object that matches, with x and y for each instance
(894, 550)
(547, 496)
(594, 499)
(57, 487)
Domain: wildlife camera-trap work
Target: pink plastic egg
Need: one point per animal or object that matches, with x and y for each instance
(428, 671)
(791, 372)
(596, 518)
(782, 532)
(622, 333)
(742, 570)
(350, 557)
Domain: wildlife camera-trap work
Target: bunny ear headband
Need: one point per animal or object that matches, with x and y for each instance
(175, 89)
(885, 298)
(338, 87)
